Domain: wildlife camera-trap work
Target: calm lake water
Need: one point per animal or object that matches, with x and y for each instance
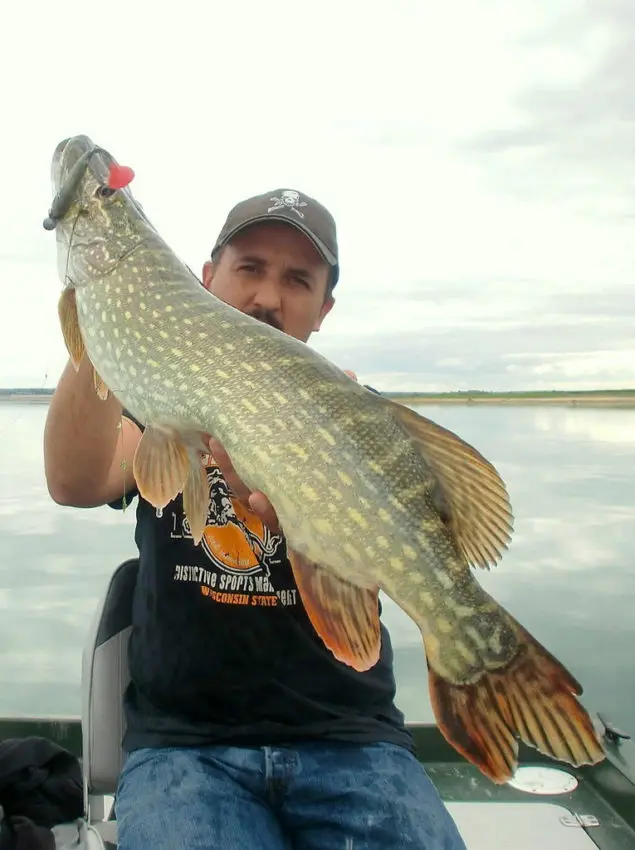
(569, 575)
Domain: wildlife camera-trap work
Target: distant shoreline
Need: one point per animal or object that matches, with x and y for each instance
(572, 398)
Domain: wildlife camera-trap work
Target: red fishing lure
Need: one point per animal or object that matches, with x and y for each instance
(119, 176)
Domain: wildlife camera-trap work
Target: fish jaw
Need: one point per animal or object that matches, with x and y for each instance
(96, 226)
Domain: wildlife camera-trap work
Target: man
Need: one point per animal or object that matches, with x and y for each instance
(243, 731)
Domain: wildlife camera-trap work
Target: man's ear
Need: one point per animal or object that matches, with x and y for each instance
(326, 309)
(209, 270)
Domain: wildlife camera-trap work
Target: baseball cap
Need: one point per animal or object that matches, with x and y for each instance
(292, 207)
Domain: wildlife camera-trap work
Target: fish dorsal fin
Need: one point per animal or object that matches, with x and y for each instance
(67, 312)
(472, 495)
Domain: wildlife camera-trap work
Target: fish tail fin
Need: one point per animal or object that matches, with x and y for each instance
(533, 698)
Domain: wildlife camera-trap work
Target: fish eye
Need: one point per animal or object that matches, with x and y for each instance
(105, 192)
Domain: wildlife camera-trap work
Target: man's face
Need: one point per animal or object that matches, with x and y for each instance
(272, 271)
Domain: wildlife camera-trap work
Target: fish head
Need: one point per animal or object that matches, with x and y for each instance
(96, 225)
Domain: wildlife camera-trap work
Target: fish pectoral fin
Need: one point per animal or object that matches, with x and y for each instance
(67, 312)
(100, 387)
(161, 465)
(196, 498)
(532, 698)
(346, 617)
(471, 495)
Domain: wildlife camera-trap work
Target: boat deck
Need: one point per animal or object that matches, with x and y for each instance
(548, 806)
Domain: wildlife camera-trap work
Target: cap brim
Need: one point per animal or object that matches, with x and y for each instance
(320, 246)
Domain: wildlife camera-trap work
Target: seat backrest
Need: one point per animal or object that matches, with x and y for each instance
(105, 677)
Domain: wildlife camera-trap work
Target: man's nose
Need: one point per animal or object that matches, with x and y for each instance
(267, 294)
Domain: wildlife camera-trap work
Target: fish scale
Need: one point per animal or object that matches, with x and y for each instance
(370, 495)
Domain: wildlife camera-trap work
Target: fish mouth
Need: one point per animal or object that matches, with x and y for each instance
(69, 152)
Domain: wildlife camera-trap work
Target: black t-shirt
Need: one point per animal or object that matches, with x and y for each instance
(222, 650)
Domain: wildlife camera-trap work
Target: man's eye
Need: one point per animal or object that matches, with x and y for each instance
(248, 268)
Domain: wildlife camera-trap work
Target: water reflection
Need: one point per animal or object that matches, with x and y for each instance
(568, 575)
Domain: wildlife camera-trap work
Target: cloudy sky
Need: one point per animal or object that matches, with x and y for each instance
(477, 155)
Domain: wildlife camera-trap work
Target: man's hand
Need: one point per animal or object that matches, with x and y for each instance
(255, 500)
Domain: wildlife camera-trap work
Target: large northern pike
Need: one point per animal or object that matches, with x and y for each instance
(369, 494)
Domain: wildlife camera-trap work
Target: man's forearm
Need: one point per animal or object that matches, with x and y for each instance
(80, 435)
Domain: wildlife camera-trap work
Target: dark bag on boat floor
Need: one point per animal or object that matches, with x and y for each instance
(40, 787)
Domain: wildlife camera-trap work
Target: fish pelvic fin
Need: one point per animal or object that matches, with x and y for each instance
(100, 387)
(69, 322)
(532, 699)
(470, 495)
(345, 617)
(196, 497)
(161, 465)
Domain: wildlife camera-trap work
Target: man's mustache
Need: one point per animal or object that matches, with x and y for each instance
(267, 317)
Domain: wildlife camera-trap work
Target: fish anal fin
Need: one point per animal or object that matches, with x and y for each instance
(345, 617)
(470, 495)
(69, 322)
(196, 498)
(533, 698)
(161, 465)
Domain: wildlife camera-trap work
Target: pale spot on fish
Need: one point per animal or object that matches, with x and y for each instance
(445, 580)
(384, 516)
(354, 553)
(194, 367)
(465, 652)
(104, 316)
(397, 564)
(230, 346)
(176, 352)
(396, 503)
(355, 515)
(153, 363)
(381, 542)
(298, 450)
(444, 626)
(132, 371)
(309, 492)
(409, 552)
(163, 334)
(248, 405)
(142, 305)
(375, 467)
(131, 288)
(329, 438)
(158, 296)
(266, 366)
(323, 525)
(168, 309)
(304, 394)
(325, 456)
(344, 478)
(280, 398)
(266, 430)
(116, 332)
(428, 600)
(247, 366)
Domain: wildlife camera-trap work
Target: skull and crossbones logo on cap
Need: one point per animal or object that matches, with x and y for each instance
(290, 199)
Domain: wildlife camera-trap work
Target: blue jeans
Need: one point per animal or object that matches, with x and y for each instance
(313, 796)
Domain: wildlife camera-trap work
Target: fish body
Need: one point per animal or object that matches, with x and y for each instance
(370, 495)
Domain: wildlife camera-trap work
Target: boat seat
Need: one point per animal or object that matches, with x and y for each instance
(105, 677)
